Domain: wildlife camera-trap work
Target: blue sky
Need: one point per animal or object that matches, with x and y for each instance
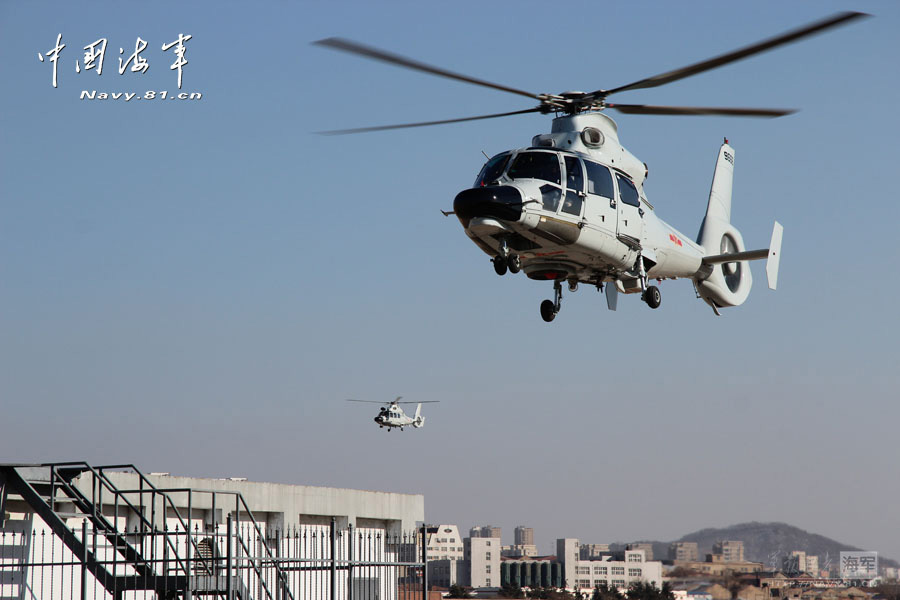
(195, 286)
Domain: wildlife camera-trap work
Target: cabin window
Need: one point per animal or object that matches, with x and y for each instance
(599, 179)
(627, 191)
(572, 203)
(550, 196)
(536, 165)
(574, 174)
(492, 170)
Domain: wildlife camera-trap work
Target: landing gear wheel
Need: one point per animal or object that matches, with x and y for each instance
(548, 310)
(514, 263)
(652, 297)
(500, 265)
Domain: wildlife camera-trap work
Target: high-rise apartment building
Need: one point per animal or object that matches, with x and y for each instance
(487, 531)
(524, 536)
(684, 551)
(731, 550)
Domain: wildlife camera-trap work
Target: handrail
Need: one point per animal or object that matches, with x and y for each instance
(99, 474)
(99, 477)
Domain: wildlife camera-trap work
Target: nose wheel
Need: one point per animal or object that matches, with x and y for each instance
(505, 261)
(550, 308)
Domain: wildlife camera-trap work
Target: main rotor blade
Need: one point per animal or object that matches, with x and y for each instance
(396, 59)
(647, 109)
(426, 123)
(419, 402)
(706, 65)
(369, 401)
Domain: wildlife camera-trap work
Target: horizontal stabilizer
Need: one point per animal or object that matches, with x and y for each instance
(772, 254)
(736, 256)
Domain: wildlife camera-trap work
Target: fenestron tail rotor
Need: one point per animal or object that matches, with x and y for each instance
(575, 102)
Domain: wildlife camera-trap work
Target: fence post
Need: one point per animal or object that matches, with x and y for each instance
(350, 561)
(228, 558)
(84, 559)
(424, 562)
(333, 558)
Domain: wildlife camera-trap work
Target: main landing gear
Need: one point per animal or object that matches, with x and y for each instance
(549, 308)
(506, 261)
(652, 296)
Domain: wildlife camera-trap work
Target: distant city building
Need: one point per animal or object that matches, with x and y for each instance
(540, 573)
(444, 543)
(716, 566)
(684, 551)
(592, 551)
(524, 536)
(487, 531)
(647, 547)
(730, 550)
(798, 562)
(586, 574)
(519, 551)
(444, 573)
(483, 557)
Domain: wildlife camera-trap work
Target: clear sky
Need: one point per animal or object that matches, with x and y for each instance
(195, 286)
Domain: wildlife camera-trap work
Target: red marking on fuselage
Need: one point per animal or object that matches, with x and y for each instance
(550, 253)
(674, 239)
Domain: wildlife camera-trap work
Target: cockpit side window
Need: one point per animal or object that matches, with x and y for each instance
(492, 170)
(574, 175)
(536, 165)
(599, 179)
(627, 192)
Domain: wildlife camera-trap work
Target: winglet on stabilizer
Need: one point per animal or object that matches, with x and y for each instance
(774, 256)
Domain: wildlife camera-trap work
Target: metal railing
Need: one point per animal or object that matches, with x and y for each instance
(230, 562)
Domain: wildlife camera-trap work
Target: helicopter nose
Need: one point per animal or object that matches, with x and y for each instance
(498, 201)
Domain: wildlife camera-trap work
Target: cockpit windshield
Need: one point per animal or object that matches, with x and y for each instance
(536, 165)
(492, 170)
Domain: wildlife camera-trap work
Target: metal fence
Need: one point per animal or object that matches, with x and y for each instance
(229, 562)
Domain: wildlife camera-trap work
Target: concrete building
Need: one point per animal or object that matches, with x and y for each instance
(647, 547)
(586, 574)
(524, 536)
(483, 557)
(592, 551)
(716, 566)
(485, 532)
(519, 551)
(532, 573)
(799, 562)
(684, 551)
(444, 573)
(731, 550)
(444, 543)
(187, 520)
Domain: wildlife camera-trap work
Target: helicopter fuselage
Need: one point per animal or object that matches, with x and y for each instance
(572, 207)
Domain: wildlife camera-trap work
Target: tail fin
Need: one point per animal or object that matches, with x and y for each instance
(723, 284)
(419, 419)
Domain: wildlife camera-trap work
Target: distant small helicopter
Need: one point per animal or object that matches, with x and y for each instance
(571, 207)
(393, 416)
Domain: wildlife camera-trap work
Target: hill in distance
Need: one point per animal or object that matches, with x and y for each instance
(767, 543)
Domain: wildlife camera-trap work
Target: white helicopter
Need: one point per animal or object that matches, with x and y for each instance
(571, 207)
(393, 416)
